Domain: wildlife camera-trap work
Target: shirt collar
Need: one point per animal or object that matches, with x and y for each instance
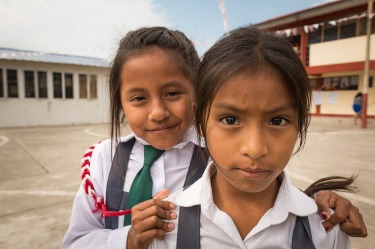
(289, 198)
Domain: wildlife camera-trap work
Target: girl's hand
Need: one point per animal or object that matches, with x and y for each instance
(148, 221)
(347, 215)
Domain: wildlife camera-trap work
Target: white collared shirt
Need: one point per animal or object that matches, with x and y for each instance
(86, 229)
(274, 230)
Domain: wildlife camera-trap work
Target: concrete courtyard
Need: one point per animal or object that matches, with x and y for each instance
(40, 174)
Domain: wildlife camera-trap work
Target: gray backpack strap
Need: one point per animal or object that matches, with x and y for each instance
(302, 238)
(188, 234)
(197, 165)
(115, 196)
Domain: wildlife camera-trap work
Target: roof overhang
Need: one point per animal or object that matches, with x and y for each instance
(314, 15)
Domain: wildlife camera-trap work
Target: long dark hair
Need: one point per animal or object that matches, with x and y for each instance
(251, 47)
(137, 42)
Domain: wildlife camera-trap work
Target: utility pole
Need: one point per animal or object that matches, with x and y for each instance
(367, 65)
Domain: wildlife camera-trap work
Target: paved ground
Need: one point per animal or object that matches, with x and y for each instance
(40, 173)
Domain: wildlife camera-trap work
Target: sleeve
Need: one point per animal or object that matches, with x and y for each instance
(86, 229)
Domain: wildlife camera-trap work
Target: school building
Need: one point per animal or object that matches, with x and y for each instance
(332, 41)
(51, 89)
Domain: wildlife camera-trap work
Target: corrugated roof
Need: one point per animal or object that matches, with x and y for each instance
(24, 55)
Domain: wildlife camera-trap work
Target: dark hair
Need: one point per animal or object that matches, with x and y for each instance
(253, 49)
(337, 183)
(137, 42)
(250, 47)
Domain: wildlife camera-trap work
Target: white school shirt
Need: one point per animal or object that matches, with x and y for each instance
(87, 229)
(274, 230)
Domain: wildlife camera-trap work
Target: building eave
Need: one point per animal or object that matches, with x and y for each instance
(314, 15)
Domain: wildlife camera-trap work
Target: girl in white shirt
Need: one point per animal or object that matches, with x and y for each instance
(151, 85)
(253, 99)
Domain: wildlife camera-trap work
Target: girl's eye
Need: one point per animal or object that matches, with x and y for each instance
(137, 99)
(278, 121)
(173, 93)
(230, 121)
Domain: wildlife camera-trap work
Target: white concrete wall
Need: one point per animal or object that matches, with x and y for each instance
(21, 111)
(340, 51)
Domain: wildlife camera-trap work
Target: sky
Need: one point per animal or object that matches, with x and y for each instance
(94, 27)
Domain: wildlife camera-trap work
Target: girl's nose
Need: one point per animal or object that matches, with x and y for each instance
(159, 111)
(254, 144)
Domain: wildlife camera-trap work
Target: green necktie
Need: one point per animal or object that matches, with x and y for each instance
(141, 189)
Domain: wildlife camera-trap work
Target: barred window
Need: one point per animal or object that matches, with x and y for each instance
(82, 86)
(12, 81)
(29, 84)
(68, 85)
(93, 87)
(42, 84)
(57, 85)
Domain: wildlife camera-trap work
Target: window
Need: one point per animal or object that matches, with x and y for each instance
(330, 32)
(83, 86)
(1, 83)
(340, 83)
(348, 29)
(93, 87)
(363, 26)
(29, 84)
(57, 85)
(353, 85)
(12, 83)
(68, 85)
(315, 36)
(42, 84)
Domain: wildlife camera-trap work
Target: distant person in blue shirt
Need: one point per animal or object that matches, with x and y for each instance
(357, 107)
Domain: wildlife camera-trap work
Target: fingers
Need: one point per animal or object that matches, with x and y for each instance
(160, 208)
(326, 200)
(347, 215)
(354, 225)
(151, 219)
(323, 199)
(139, 240)
(342, 207)
(154, 222)
(162, 194)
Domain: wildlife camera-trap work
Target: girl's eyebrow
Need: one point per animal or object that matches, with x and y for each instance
(169, 84)
(134, 90)
(285, 107)
(174, 83)
(230, 107)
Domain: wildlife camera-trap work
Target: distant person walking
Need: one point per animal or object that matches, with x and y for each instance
(357, 107)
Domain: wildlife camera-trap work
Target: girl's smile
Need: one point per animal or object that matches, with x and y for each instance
(156, 97)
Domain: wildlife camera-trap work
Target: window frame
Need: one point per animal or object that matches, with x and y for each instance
(10, 83)
(29, 83)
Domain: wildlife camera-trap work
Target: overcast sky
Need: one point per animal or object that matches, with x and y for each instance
(94, 27)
